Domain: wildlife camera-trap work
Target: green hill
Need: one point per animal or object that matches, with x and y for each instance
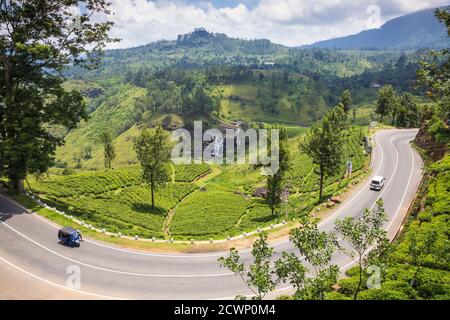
(214, 78)
(115, 114)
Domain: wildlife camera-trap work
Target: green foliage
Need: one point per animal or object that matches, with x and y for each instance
(87, 183)
(299, 101)
(363, 235)
(324, 143)
(316, 246)
(289, 268)
(237, 213)
(386, 102)
(109, 152)
(153, 152)
(257, 215)
(402, 109)
(115, 114)
(100, 182)
(382, 294)
(303, 175)
(417, 267)
(346, 100)
(35, 52)
(257, 275)
(276, 181)
(348, 286)
(190, 172)
(408, 113)
(117, 199)
(208, 213)
(126, 210)
(434, 77)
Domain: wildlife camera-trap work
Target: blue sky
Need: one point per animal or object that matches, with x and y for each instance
(288, 22)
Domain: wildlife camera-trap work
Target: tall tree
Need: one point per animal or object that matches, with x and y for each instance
(275, 182)
(153, 152)
(338, 118)
(38, 39)
(323, 143)
(434, 77)
(257, 275)
(363, 235)
(346, 100)
(274, 191)
(109, 151)
(394, 108)
(386, 101)
(408, 114)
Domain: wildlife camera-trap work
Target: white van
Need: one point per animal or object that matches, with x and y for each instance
(377, 183)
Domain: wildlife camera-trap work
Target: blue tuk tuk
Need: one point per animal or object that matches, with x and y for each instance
(69, 236)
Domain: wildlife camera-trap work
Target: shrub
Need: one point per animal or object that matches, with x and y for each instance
(382, 294)
(429, 290)
(208, 213)
(348, 285)
(333, 295)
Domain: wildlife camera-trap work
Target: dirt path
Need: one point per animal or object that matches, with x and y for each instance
(168, 221)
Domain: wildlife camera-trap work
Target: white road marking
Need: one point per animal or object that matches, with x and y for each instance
(398, 210)
(56, 284)
(364, 187)
(117, 271)
(219, 254)
(404, 193)
(151, 275)
(52, 224)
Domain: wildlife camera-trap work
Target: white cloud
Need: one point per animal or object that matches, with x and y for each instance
(289, 22)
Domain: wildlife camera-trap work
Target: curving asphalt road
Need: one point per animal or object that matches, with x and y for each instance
(34, 265)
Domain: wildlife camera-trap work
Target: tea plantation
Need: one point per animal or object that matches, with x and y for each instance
(216, 206)
(408, 275)
(208, 213)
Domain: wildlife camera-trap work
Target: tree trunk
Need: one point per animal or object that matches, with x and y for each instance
(321, 185)
(16, 185)
(360, 280)
(152, 189)
(414, 279)
(393, 118)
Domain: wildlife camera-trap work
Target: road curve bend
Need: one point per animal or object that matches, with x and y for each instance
(34, 265)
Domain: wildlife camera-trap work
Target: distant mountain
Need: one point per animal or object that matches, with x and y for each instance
(418, 30)
(199, 48)
(221, 43)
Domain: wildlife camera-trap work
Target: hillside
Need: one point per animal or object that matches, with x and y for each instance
(203, 201)
(199, 48)
(126, 108)
(414, 31)
(202, 49)
(215, 78)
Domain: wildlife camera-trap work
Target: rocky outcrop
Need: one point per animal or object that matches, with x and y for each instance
(425, 141)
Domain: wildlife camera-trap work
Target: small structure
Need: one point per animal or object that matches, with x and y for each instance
(375, 85)
(336, 199)
(260, 192)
